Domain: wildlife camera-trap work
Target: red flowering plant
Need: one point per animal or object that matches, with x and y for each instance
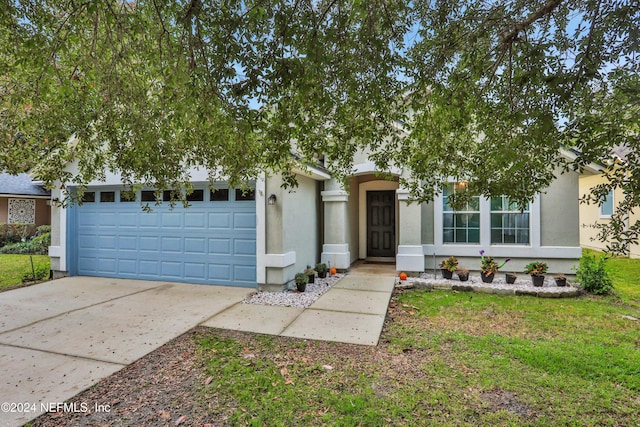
(450, 264)
(488, 265)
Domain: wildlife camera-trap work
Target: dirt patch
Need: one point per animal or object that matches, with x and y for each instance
(504, 400)
(153, 391)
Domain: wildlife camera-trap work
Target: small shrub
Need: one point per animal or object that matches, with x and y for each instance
(592, 275)
(15, 233)
(37, 245)
(41, 273)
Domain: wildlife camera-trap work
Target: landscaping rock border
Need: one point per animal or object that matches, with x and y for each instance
(428, 281)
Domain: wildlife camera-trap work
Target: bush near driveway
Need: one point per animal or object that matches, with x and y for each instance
(38, 244)
(14, 233)
(13, 268)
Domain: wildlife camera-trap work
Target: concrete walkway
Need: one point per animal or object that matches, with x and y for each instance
(352, 311)
(60, 337)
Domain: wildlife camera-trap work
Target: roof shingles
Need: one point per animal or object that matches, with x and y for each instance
(21, 185)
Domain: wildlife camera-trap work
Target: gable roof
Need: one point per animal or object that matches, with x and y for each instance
(21, 185)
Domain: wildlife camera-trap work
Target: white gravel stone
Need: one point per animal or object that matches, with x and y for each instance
(293, 298)
(523, 283)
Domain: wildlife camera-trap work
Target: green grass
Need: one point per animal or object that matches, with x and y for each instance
(12, 268)
(446, 358)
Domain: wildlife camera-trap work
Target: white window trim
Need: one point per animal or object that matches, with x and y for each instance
(502, 212)
(607, 216)
(461, 249)
(479, 211)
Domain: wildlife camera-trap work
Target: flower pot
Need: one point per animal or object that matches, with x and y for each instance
(301, 287)
(463, 276)
(322, 274)
(446, 273)
(487, 278)
(537, 280)
(312, 278)
(561, 281)
(511, 278)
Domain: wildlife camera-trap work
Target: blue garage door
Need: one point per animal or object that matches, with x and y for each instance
(213, 241)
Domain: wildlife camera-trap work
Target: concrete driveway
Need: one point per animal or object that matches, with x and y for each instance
(60, 337)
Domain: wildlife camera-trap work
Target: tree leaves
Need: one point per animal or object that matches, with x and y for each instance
(487, 92)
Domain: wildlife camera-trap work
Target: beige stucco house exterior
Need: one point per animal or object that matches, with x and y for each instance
(591, 215)
(263, 238)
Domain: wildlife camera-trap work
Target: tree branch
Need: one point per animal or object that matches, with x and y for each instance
(508, 36)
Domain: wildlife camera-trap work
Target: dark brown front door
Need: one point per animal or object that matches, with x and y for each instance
(381, 224)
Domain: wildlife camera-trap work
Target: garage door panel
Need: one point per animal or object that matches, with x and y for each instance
(195, 245)
(107, 265)
(107, 219)
(127, 266)
(149, 267)
(220, 220)
(87, 242)
(244, 273)
(195, 220)
(107, 242)
(244, 247)
(149, 243)
(128, 220)
(219, 271)
(171, 244)
(194, 270)
(219, 246)
(127, 243)
(150, 220)
(244, 221)
(171, 269)
(88, 219)
(171, 220)
(210, 243)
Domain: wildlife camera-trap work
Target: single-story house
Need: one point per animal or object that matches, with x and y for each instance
(23, 201)
(592, 215)
(263, 237)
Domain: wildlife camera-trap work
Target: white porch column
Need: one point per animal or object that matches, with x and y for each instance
(335, 250)
(410, 256)
(58, 248)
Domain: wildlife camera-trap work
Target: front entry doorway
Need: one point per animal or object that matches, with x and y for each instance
(381, 224)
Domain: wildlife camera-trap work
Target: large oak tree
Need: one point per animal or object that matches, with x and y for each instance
(482, 91)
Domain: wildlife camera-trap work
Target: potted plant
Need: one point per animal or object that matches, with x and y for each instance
(322, 269)
(311, 274)
(301, 281)
(561, 280)
(511, 278)
(448, 266)
(463, 274)
(536, 269)
(488, 267)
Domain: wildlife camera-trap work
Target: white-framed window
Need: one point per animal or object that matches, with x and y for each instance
(461, 226)
(606, 208)
(509, 225)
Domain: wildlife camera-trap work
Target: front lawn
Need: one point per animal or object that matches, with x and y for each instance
(444, 358)
(13, 267)
(447, 358)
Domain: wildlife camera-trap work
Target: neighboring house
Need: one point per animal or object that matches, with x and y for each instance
(592, 215)
(23, 201)
(262, 238)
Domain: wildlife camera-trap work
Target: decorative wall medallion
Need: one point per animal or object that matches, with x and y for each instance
(22, 210)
